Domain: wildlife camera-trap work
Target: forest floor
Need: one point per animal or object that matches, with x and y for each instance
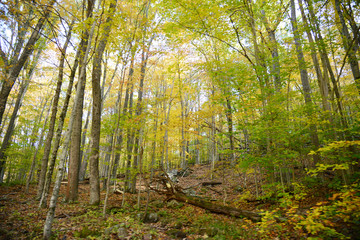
(20, 217)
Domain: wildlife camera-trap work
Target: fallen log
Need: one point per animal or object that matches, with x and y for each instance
(173, 191)
(216, 208)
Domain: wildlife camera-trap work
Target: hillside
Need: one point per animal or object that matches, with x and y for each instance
(303, 214)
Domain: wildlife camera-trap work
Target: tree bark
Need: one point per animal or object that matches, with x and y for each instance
(323, 85)
(139, 106)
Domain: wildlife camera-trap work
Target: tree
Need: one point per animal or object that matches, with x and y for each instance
(349, 45)
(74, 162)
(96, 110)
(50, 134)
(304, 79)
(9, 132)
(17, 66)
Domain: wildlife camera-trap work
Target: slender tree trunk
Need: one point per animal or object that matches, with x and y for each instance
(229, 119)
(59, 129)
(119, 137)
(274, 52)
(304, 80)
(6, 141)
(40, 143)
(28, 50)
(139, 106)
(50, 134)
(56, 190)
(128, 104)
(349, 46)
(326, 62)
(323, 86)
(83, 155)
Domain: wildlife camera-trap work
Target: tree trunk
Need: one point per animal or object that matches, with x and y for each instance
(323, 84)
(139, 106)
(174, 192)
(326, 62)
(56, 190)
(128, 104)
(74, 161)
(96, 110)
(229, 119)
(28, 49)
(50, 134)
(6, 141)
(349, 46)
(274, 53)
(40, 143)
(59, 129)
(83, 156)
(304, 80)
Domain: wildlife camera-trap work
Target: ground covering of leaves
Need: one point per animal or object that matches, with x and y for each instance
(306, 213)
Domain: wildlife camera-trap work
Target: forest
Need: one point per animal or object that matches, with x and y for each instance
(179, 119)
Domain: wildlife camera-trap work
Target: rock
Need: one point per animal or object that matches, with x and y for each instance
(176, 233)
(158, 203)
(119, 229)
(108, 230)
(174, 204)
(149, 237)
(178, 225)
(173, 174)
(239, 189)
(151, 218)
(122, 232)
(185, 172)
(211, 232)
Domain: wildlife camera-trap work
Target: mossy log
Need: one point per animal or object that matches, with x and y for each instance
(216, 208)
